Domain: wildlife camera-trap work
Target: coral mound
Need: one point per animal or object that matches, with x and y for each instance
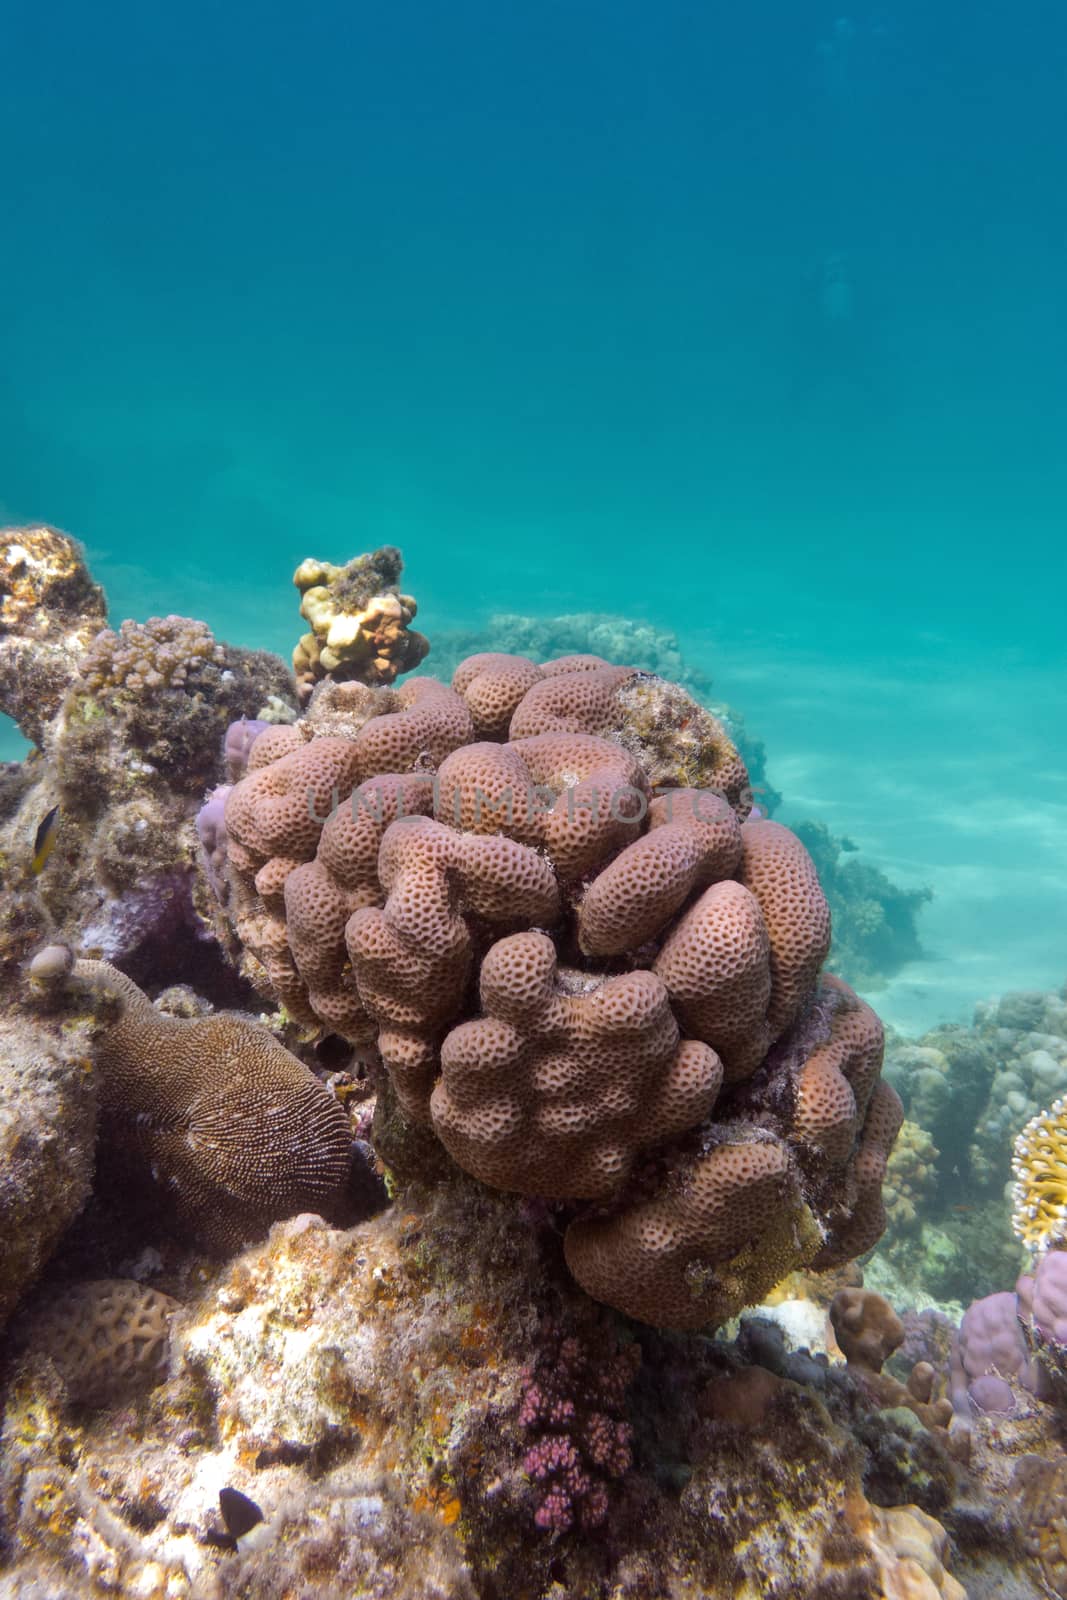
(539, 893)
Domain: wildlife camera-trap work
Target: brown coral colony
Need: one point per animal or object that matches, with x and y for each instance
(541, 894)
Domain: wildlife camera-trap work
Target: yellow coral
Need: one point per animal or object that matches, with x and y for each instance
(1039, 1195)
(359, 621)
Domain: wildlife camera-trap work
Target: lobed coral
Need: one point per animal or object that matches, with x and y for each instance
(866, 1328)
(359, 621)
(875, 920)
(538, 893)
(990, 1359)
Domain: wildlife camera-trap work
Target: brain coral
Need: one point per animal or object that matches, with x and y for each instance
(211, 1115)
(108, 1338)
(538, 892)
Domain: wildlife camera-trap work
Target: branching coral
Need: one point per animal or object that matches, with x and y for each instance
(538, 891)
(573, 1408)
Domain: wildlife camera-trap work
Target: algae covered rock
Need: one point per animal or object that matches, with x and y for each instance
(47, 1134)
(50, 610)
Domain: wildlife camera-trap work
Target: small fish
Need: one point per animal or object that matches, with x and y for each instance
(44, 840)
(239, 1513)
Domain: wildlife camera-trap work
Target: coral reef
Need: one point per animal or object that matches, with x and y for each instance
(973, 1091)
(529, 924)
(393, 876)
(396, 1399)
(875, 930)
(359, 622)
(129, 727)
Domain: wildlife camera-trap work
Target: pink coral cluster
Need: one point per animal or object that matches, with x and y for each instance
(575, 1404)
(539, 892)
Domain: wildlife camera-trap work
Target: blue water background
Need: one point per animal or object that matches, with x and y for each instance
(751, 321)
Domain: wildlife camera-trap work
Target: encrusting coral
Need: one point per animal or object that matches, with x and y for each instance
(418, 1412)
(211, 1115)
(359, 621)
(107, 1339)
(537, 892)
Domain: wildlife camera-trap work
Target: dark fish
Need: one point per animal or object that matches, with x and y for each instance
(44, 840)
(239, 1513)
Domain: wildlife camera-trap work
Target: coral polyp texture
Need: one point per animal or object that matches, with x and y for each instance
(539, 893)
(107, 1338)
(1039, 1167)
(359, 621)
(210, 1117)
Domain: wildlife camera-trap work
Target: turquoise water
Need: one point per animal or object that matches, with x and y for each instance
(749, 324)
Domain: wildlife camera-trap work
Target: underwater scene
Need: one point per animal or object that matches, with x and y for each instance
(533, 801)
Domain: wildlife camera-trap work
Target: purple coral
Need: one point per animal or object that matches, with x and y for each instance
(237, 745)
(574, 1403)
(990, 1358)
(211, 831)
(1043, 1310)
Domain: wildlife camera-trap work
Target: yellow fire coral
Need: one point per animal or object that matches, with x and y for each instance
(1039, 1195)
(359, 621)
